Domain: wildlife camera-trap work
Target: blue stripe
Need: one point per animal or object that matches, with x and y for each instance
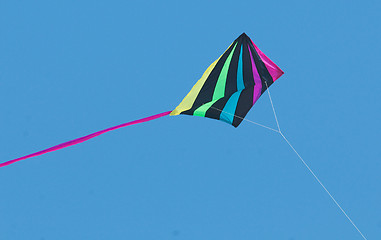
(240, 84)
(227, 114)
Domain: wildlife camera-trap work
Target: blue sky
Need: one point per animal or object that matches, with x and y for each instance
(70, 68)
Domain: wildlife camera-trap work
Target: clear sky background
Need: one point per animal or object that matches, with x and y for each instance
(69, 68)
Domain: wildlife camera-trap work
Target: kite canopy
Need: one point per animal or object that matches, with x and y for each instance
(232, 84)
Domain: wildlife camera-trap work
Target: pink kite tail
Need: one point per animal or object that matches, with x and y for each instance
(85, 138)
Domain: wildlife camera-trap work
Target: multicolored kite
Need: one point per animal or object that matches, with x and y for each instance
(226, 91)
(232, 84)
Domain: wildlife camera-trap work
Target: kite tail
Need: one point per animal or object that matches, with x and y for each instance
(85, 138)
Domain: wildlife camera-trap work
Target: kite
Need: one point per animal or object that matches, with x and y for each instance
(232, 84)
(227, 90)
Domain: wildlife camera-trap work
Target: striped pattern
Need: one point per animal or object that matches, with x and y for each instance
(232, 84)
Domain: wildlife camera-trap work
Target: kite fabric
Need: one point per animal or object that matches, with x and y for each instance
(226, 91)
(232, 84)
(85, 138)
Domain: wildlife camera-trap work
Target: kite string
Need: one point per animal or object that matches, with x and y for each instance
(306, 165)
(272, 106)
(261, 125)
(317, 179)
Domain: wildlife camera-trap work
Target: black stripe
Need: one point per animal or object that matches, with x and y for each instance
(245, 102)
(231, 79)
(215, 110)
(248, 78)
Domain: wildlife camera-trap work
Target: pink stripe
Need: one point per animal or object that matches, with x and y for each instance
(273, 69)
(85, 138)
(257, 79)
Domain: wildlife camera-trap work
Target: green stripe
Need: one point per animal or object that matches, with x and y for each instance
(219, 90)
(200, 111)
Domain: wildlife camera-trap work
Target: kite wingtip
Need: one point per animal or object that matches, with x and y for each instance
(174, 113)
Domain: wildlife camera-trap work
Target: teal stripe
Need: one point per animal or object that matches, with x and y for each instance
(240, 84)
(227, 114)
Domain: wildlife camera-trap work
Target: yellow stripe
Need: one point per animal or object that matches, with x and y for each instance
(189, 99)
